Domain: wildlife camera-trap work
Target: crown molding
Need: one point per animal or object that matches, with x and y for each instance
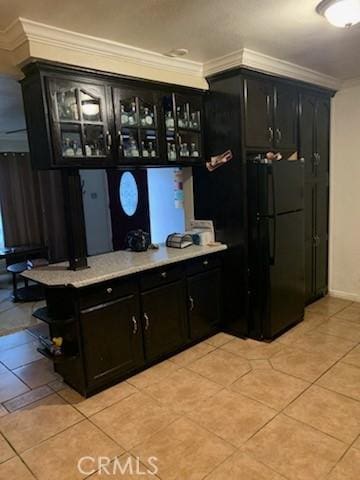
(265, 63)
(22, 30)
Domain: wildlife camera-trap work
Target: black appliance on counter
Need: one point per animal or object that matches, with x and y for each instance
(138, 241)
(276, 245)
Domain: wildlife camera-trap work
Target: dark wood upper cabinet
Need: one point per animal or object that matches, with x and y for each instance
(322, 136)
(285, 117)
(270, 115)
(138, 126)
(77, 118)
(164, 319)
(81, 122)
(258, 104)
(307, 119)
(110, 355)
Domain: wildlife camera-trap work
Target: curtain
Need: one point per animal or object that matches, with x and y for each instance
(32, 205)
(20, 201)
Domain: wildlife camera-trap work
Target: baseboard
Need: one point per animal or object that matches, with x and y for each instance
(353, 297)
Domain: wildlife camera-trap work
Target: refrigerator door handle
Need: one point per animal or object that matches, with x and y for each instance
(273, 243)
(272, 216)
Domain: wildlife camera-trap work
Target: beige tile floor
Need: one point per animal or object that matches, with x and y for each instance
(226, 409)
(14, 316)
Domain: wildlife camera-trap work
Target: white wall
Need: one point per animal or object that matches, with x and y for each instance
(344, 258)
(165, 218)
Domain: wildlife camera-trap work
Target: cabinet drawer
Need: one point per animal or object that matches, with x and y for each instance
(104, 292)
(202, 264)
(161, 276)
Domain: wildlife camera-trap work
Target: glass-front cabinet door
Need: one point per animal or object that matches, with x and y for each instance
(182, 119)
(80, 123)
(137, 126)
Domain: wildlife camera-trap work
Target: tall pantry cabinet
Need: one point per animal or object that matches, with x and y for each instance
(314, 135)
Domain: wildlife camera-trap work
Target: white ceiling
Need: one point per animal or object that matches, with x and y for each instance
(287, 29)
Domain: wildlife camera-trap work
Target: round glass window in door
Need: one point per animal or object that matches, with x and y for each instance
(128, 193)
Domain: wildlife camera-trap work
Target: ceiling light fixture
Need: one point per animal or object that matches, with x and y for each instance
(177, 52)
(340, 13)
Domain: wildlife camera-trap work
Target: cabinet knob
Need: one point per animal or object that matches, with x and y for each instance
(164, 274)
(109, 290)
(205, 262)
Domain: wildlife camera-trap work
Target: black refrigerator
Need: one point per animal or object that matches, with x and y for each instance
(276, 245)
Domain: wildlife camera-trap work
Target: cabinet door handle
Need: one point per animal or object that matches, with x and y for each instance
(135, 325)
(147, 321)
(192, 305)
(108, 141)
(271, 134)
(205, 262)
(317, 159)
(109, 290)
(278, 135)
(164, 274)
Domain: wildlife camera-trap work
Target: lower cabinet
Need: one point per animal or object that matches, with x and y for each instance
(117, 328)
(164, 319)
(112, 339)
(204, 303)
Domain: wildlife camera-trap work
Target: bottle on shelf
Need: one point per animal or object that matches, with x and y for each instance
(144, 151)
(68, 150)
(77, 150)
(184, 151)
(186, 121)
(169, 121)
(194, 151)
(180, 120)
(152, 150)
(124, 116)
(194, 122)
(133, 114)
(134, 151)
(87, 150)
(147, 120)
(171, 152)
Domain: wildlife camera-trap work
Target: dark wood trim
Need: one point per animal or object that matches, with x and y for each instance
(74, 218)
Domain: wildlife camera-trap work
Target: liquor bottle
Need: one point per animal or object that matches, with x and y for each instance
(77, 150)
(194, 150)
(194, 120)
(180, 120)
(144, 151)
(147, 120)
(124, 116)
(152, 150)
(171, 152)
(169, 121)
(68, 150)
(134, 151)
(133, 115)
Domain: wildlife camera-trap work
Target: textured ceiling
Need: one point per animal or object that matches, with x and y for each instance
(286, 29)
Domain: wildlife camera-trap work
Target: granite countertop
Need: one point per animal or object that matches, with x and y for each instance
(114, 265)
